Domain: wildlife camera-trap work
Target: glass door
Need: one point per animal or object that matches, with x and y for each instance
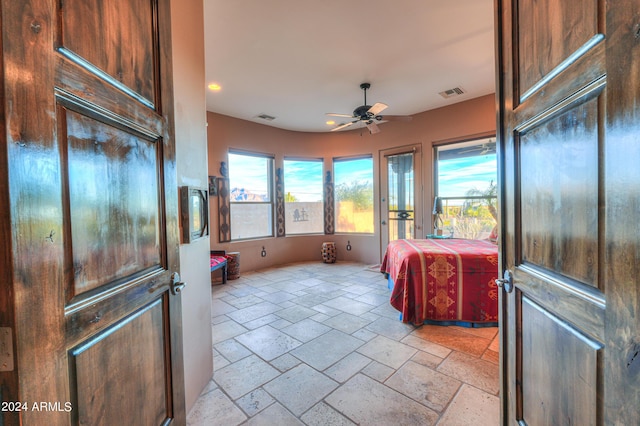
(400, 171)
(400, 206)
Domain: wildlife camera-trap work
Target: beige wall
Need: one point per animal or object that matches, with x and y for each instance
(191, 150)
(462, 120)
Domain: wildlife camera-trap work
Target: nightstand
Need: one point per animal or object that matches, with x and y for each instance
(438, 237)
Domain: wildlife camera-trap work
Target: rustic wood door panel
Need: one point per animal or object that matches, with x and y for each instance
(114, 207)
(552, 90)
(560, 352)
(100, 395)
(114, 38)
(93, 206)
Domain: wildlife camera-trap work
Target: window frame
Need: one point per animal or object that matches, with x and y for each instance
(321, 185)
(270, 191)
(336, 160)
(474, 141)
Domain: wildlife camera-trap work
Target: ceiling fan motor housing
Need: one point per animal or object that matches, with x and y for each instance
(363, 112)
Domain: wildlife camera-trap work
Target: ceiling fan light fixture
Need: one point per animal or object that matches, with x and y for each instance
(366, 114)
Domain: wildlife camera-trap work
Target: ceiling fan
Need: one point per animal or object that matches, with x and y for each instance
(485, 148)
(368, 114)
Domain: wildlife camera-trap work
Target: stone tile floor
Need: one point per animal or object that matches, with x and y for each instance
(319, 344)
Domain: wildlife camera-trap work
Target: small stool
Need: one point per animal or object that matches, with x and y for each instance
(233, 265)
(329, 252)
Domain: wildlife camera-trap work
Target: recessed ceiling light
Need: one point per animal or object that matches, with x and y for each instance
(330, 123)
(215, 87)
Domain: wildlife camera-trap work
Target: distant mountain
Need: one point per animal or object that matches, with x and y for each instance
(240, 194)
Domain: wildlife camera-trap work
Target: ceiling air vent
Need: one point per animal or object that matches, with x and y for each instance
(451, 92)
(265, 117)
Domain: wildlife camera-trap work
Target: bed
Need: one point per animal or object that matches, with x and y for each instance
(443, 281)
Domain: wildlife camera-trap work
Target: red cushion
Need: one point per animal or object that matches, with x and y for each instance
(217, 260)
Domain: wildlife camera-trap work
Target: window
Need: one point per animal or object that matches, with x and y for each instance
(353, 186)
(303, 196)
(465, 183)
(251, 195)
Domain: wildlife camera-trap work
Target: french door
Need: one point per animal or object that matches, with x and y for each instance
(400, 194)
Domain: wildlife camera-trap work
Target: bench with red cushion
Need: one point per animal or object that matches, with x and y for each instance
(219, 261)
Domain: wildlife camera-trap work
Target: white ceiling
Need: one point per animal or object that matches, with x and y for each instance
(299, 59)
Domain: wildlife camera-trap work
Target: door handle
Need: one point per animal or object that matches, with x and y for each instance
(176, 284)
(506, 282)
(384, 222)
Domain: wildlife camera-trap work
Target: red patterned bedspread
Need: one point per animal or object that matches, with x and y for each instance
(443, 280)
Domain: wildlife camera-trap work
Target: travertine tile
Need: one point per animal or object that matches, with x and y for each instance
(346, 323)
(310, 300)
(305, 330)
(348, 305)
(426, 346)
(253, 312)
(373, 299)
(474, 371)
(387, 351)
(491, 356)
(377, 371)
(495, 344)
(357, 290)
(220, 307)
(453, 339)
(276, 414)
(348, 366)
(226, 330)
(232, 350)
(285, 362)
(255, 401)
(268, 342)
(300, 388)
(424, 385)
(327, 349)
(342, 364)
(245, 301)
(244, 376)
(364, 335)
(278, 297)
(259, 322)
(323, 415)
(427, 359)
(367, 402)
(485, 332)
(296, 313)
(215, 409)
(392, 329)
(472, 406)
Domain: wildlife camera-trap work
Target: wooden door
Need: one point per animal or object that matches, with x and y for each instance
(92, 201)
(568, 86)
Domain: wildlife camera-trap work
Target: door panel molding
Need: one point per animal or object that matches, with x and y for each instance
(542, 359)
(101, 378)
(116, 43)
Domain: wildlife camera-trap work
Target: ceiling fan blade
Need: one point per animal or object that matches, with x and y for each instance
(396, 118)
(342, 126)
(373, 127)
(333, 114)
(377, 108)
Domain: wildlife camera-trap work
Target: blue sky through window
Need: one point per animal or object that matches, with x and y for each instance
(457, 176)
